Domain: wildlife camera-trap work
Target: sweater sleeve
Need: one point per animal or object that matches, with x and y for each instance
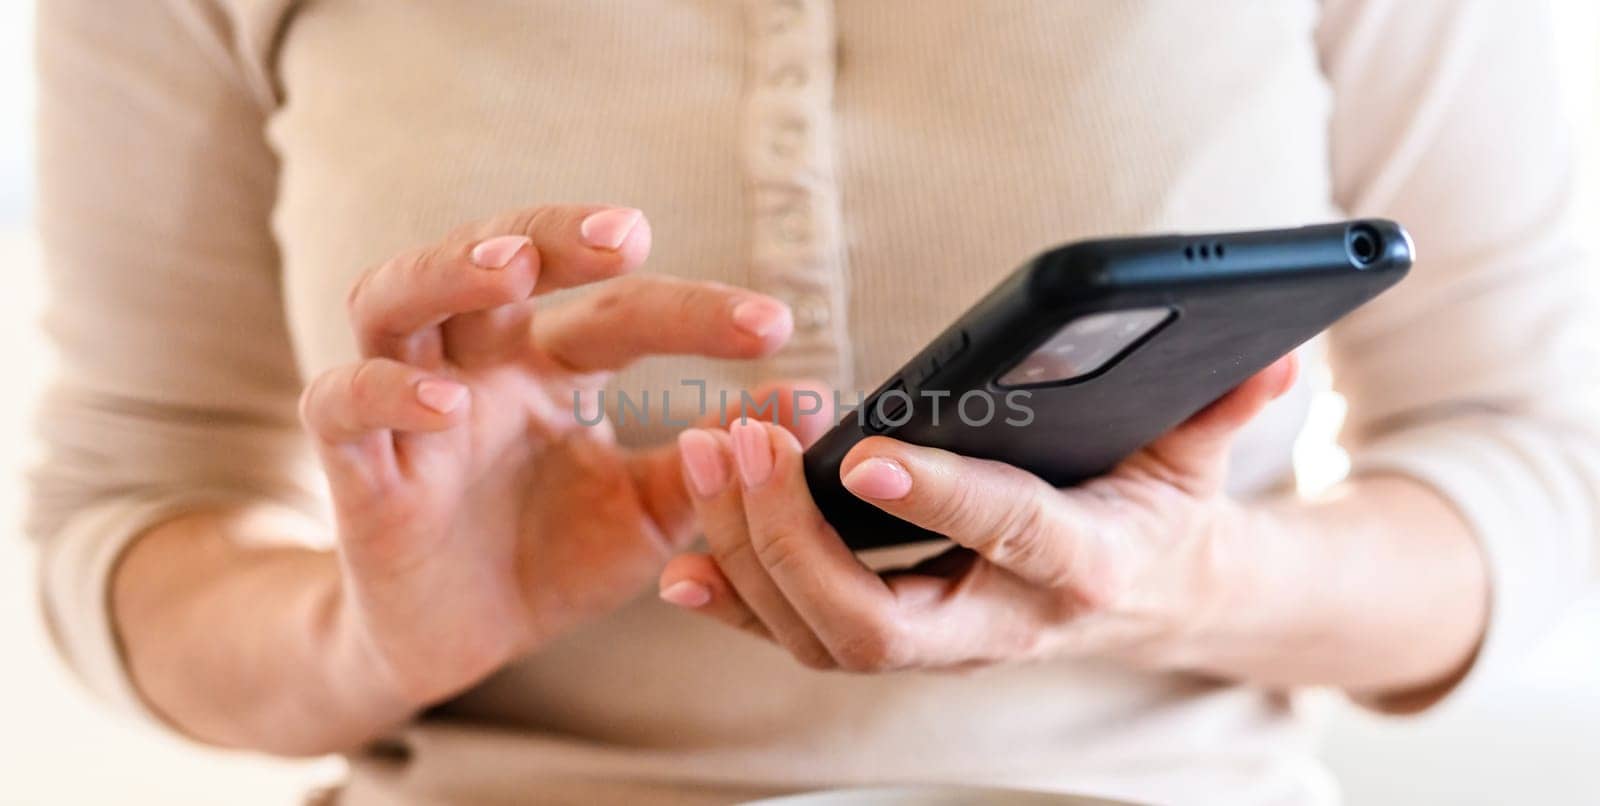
(176, 386)
(1479, 374)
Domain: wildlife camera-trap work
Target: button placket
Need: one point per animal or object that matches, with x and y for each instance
(796, 244)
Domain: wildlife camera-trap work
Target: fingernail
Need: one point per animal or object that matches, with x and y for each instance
(497, 252)
(879, 478)
(702, 463)
(759, 317)
(607, 229)
(686, 593)
(753, 451)
(441, 396)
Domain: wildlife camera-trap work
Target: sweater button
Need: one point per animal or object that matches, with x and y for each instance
(811, 312)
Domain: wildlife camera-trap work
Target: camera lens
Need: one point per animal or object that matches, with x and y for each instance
(1364, 245)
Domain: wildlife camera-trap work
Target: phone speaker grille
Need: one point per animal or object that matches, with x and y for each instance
(1207, 250)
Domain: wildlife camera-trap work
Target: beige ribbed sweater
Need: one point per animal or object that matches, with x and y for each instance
(215, 173)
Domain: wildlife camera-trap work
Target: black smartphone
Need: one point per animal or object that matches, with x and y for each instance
(1093, 349)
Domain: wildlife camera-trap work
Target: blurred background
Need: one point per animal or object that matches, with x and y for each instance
(1534, 740)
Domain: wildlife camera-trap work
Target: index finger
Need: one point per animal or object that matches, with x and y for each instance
(576, 244)
(652, 314)
(492, 264)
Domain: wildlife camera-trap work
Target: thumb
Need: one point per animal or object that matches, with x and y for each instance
(1194, 454)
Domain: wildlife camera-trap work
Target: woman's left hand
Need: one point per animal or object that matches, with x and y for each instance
(1137, 564)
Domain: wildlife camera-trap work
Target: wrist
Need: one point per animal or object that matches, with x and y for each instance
(1375, 588)
(357, 671)
(241, 645)
(1240, 587)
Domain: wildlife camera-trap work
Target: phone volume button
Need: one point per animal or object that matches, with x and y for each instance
(938, 357)
(950, 347)
(887, 410)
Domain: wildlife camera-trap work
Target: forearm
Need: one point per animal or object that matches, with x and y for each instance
(1378, 588)
(246, 647)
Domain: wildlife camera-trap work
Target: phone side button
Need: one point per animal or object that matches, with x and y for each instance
(887, 410)
(950, 347)
(939, 355)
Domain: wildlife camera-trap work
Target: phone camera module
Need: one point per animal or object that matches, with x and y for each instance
(1085, 345)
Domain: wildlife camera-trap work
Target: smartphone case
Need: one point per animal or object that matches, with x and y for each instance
(1239, 301)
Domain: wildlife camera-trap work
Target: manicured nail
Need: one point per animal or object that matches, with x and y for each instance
(441, 396)
(497, 252)
(753, 450)
(760, 317)
(879, 478)
(686, 593)
(702, 463)
(607, 229)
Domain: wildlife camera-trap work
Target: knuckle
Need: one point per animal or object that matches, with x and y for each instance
(613, 298)
(1099, 593)
(1020, 534)
(357, 292)
(731, 554)
(366, 385)
(1019, 644)
(496, 288)
(780, 553)
(369, 313)
(743, 618)
(813, 656)
(412, 688)
(880, 646)
(471, 231)
(532, 220)
(429, 271)
(317, 398)
(1087, 581)
(950, 514)
(684, 302)
(308, 402)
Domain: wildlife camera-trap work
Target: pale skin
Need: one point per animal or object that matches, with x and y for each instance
(1377, 589)
(477, 521)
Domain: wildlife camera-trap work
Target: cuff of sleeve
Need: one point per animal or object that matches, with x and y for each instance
(75, 577)
(1509, 482)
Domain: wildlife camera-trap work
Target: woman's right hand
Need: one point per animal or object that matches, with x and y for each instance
(478, 516)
